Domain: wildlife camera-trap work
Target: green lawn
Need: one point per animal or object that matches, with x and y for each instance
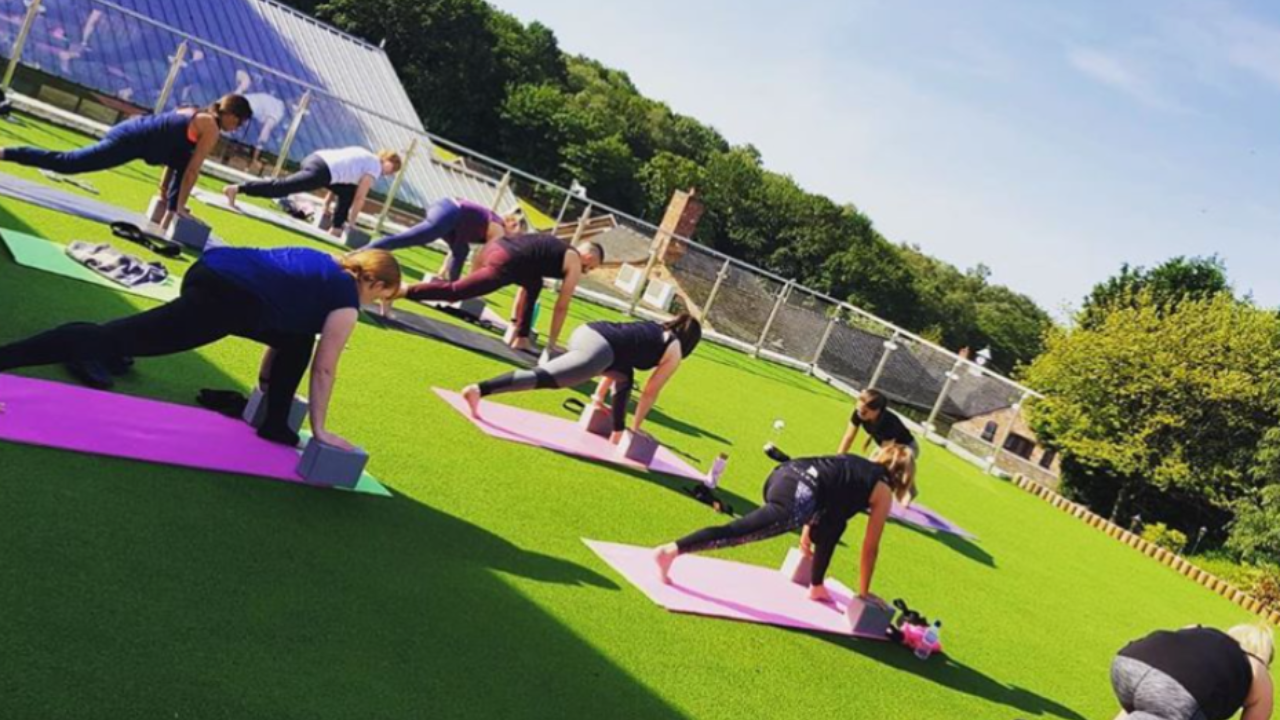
(134, 590)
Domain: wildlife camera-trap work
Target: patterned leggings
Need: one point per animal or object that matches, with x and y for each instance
(789, 502)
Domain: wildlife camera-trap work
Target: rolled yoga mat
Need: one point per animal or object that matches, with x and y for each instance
(712, 587)
(67, 417)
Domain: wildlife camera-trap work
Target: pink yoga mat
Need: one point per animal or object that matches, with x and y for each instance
(561, 435)
(49, 414)
(724, 589)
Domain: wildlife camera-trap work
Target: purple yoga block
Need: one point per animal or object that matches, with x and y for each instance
(868, 618)
(639, 447)
(255, 412)
(798, 567)
(473, 307)
(155, 210)
(597, 421)
(323, 464)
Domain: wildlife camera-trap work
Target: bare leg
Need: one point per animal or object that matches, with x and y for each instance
(231, 191)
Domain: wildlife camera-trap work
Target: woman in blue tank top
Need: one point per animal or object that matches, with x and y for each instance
(179, 141)
(613, 352)
(281, 298)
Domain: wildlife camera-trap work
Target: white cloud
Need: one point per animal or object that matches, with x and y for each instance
(1120, 74)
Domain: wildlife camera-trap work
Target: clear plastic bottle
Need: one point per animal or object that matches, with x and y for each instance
(717, 470)
(929, 641)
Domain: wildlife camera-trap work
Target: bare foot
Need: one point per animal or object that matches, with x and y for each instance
(664, 556)
(471, 394)
(231, 191)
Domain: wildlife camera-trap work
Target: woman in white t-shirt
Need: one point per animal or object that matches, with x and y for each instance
(348, 173)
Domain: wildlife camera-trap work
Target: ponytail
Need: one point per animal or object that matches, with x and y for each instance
(900, 463)
(372, 266)
(687, 330)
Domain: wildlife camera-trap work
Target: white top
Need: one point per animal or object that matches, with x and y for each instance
(265, 107)
(348, 165)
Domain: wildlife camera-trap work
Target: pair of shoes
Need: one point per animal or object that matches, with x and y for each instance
(98, 374)
(282, 435)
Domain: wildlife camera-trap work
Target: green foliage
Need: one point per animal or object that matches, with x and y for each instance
(1169, 283)
(1165, 536)
(1172, 398)
(1255, 533)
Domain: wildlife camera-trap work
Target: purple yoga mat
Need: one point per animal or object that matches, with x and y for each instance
(49, 414)
(724, 589)
(923, 517)
(553, 433)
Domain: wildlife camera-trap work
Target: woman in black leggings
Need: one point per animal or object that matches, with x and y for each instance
(819, 495)
(281, 298)
(614, 351)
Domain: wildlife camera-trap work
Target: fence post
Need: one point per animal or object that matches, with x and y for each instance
(715, 289)
(582, 225)
(1003, 436)
(299, 112)
(171, 79)
(773, 314)
(822, 344)
(502, 190)
(395, 184)
(21, 42)
(889, 346)
(952, 376)
(644, 279)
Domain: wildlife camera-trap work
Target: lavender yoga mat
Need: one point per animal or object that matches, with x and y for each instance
(725, 589)
(553, 433)
(49, 414)
(923, 517)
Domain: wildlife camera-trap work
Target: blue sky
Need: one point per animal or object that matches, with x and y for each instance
(1051, 141)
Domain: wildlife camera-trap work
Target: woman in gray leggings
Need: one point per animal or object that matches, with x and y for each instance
(1196, 674)
(614, 351)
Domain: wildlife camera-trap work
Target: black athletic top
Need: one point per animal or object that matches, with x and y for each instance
(636, 346)
(1207, 662)
(886, 428)
(844, 484)
(532, 258)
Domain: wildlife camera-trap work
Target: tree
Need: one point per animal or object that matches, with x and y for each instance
(1169, 398)
(1169, 283)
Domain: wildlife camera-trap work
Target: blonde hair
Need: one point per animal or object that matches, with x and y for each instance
(1255, 639)
(392, 157)
(901, 464)
(372, 266)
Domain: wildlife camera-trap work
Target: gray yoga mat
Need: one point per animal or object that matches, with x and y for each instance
(480, 342)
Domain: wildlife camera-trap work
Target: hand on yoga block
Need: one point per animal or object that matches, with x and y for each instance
(869, 617)
(798, 567)
(325, 464)
(255, 413)
(639, 447)
(596, 420)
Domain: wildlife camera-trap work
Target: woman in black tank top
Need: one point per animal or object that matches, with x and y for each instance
(819, 495)
(1196, 673)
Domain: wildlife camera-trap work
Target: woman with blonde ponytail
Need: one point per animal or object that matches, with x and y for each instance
(281, 298)
(819, 495)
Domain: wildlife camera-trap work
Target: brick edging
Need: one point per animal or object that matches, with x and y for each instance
(1170, 559)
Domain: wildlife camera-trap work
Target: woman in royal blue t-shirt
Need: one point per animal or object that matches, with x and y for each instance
(281, 298)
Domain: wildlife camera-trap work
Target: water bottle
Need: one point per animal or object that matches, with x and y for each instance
(717, 469)
(929, 641)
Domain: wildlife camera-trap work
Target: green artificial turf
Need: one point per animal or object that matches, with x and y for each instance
(136, 590)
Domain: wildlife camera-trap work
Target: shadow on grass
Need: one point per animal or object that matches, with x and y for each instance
(954, 675)
(964, 546)
(135, 589)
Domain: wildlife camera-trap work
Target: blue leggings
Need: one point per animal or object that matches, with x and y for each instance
(105, 154)
(442, 218)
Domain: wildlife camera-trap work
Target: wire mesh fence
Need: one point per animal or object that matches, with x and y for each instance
(99, 60)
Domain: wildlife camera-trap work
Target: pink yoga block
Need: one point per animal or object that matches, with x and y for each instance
(639, 447)
(597, 421)
(868, 618)
(797, 567)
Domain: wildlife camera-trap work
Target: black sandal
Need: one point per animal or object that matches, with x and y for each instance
(150, 241)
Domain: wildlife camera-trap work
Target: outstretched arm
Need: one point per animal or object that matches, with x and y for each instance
(324, 371)
(653, 386)
(846, 442)
(357, 205)
(573, 271)
(206, 139)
